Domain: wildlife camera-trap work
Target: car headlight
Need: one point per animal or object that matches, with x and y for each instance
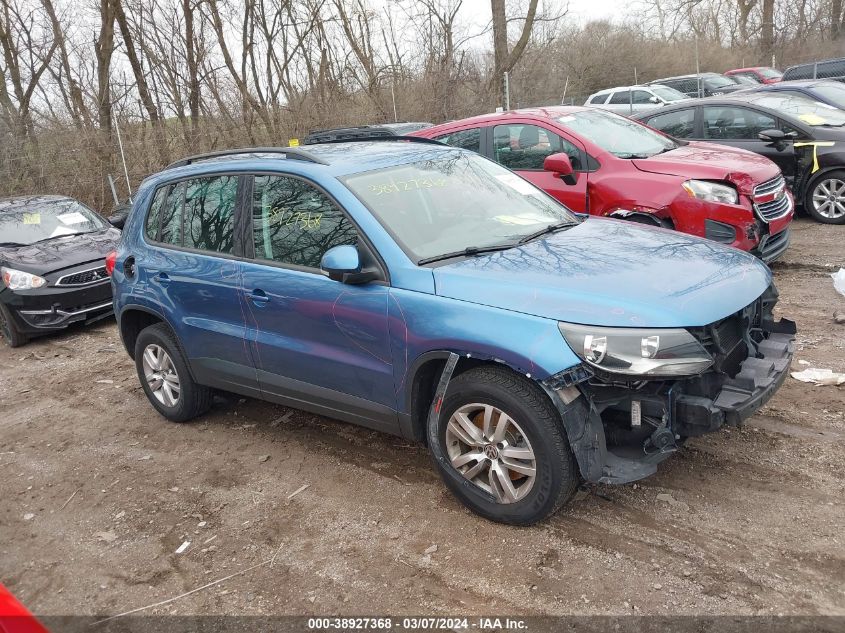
(19, 280)
(638, 351)
(711, 191)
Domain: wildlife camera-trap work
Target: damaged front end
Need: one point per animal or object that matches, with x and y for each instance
(621, 423)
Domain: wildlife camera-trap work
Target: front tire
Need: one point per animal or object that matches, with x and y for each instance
(501, 449)
(825, 198)
(9, 329)
(165, 378)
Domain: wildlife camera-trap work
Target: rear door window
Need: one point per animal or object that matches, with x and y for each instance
(730, 123)
(680, 123)
(622, 96)
(209, 213)
(832, 68)
(465, 139)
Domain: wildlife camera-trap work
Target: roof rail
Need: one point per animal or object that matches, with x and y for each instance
(288, 152)
(362, 138)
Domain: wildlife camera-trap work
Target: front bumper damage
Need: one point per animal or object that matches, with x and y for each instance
(621, 430)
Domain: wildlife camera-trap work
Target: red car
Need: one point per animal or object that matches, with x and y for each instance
(760, 74)
(601, 163)
(14, 617)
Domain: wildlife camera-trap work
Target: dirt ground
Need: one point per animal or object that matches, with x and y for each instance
(98, 492)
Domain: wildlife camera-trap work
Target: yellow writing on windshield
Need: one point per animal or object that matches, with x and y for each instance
(812, 119)
(408, 185)
(32, 218)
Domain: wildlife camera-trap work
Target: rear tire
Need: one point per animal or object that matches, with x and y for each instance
(165, 378)
(495, 428)
(9, 329)
(825, 198)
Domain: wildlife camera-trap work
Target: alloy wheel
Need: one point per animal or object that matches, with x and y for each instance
(490, 450)
(829, 198)
(161, 376)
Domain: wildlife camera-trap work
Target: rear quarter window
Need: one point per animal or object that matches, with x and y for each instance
(804, 71)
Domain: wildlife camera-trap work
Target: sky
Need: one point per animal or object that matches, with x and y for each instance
(477, 12)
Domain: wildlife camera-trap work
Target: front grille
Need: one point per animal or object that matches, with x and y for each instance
(769, 187)
(84, 277)
(771, 200)
(775, 209)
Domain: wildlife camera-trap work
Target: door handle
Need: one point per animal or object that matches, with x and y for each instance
(161, 278)
(258, 296)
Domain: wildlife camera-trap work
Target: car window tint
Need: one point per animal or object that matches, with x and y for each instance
(465, 139)
(641, 96)
(804, 71)
(210, 213)
(622, 96)
(680, 123)
(154, 214)
(598, 99)
(832, 68)
(735, 123)
(527, 146)
(295, 223)
(171, 216)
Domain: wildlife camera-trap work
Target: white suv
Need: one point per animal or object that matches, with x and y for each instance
(634, 99)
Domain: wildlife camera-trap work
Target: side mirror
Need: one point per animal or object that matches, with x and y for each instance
(343, 264)
(118, 220)
(775, 138)
(654, 99)
(561, 166)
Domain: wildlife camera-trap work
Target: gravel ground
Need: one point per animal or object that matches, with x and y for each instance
(98, 492)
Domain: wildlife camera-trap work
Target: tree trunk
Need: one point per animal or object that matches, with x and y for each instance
(504, 61)
(767, 32)
(141, 80)
(835, 18)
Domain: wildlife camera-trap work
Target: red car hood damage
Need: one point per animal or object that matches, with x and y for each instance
(708, 161)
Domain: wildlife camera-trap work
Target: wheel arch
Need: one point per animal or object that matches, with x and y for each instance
(423, 377)
(132, 320)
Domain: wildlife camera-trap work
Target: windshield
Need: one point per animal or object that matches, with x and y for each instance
(35, 221)
(832, 92)
(718, 81)
(668, 94)
(454, 201)
(620, 136)
(770, 73)
(805, 110)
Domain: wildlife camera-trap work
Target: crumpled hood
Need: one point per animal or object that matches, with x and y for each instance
(61, 252)
(710, 161)
(612, 273)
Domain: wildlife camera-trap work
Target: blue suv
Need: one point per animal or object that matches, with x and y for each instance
(425, 291)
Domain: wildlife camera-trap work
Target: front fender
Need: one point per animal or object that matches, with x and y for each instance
(423, 326)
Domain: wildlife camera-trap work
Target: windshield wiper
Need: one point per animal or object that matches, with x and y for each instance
(469, 251)
(551, 228)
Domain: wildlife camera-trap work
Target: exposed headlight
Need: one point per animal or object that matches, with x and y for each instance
(19, 280)
(636, 351)
(711, 191)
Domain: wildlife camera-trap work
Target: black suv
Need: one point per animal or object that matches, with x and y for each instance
(701, 85)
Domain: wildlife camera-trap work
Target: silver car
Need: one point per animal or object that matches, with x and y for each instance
(634, 99)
